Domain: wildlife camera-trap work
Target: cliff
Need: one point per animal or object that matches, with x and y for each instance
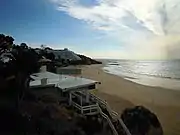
(85, 61)
(67, 57)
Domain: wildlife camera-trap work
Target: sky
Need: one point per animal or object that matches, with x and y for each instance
(114, 29)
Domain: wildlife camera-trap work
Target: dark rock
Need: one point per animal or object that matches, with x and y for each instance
(85, 61)
(141, 121)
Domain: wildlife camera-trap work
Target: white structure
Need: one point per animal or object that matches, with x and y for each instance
(78, 94)
(70, 70)
(43, 68)
(77, 89)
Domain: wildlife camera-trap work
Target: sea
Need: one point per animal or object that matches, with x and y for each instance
(158, 73)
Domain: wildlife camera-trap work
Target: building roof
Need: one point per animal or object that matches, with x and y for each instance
(63, 82)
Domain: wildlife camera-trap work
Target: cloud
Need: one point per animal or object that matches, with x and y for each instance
(141, 24)
(115, 14)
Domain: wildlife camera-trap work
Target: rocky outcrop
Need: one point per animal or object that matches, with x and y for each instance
(64, 54)
(85, 61)
(140, 121)
(66, 57)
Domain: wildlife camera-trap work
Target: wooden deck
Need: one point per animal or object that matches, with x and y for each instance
(80, 103)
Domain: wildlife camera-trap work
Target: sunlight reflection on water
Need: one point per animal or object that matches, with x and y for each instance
(154, 73)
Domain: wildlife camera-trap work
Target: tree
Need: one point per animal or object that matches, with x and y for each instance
(6, 43)
(15, 73)
(141, 121)
(26, 60)
(48, 48)
(25, 64)
(50, 56)
(24, 46)
(43, 47)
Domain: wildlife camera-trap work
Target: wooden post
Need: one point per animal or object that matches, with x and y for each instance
(70, 98)
(81, 110)
(81, 100)
(87, 96)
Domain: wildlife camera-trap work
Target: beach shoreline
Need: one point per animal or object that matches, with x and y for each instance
(121, 94)
(147, 79)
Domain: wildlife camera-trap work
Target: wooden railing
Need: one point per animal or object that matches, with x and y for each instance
(90, 109)
(105, 105)
(109, 122)
(86, 110)
(94, 109)
(113, 114)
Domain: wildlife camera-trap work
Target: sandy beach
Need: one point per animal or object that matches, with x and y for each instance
(121, 94)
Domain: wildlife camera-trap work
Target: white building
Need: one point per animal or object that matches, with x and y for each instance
(77, 91)
(76, 88)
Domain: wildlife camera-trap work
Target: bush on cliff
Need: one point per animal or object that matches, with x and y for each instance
(141, 121)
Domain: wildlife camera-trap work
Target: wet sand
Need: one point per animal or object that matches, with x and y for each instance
(121, 94)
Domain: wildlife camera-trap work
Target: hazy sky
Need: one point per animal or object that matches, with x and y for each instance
(132, 29)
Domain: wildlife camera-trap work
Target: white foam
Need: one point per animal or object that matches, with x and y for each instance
(143, 79)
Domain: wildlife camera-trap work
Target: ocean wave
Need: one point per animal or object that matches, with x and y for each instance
(164, 74)
(115, 64)
(159, 76)
(124, 72)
